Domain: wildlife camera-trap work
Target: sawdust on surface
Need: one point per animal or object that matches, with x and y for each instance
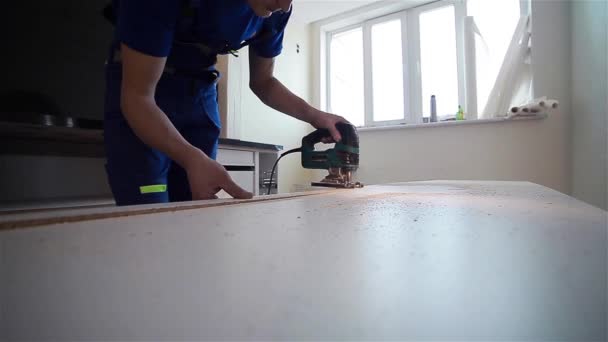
(387, 196)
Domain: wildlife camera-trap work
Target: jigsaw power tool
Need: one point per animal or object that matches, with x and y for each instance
(341, 161)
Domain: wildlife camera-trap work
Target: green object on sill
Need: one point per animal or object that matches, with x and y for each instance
(460, 114)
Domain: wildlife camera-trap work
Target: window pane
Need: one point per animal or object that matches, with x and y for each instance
(387, 69)
(496, 21)
(438, 60)
(346, 76)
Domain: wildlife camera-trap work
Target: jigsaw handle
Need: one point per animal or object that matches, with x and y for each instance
(315, 137)
(345, 154)
(347, 131)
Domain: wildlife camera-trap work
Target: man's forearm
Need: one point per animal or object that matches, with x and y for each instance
(275, 95)
(154, 128)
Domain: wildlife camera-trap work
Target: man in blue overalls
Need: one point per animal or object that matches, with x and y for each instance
(161, 113)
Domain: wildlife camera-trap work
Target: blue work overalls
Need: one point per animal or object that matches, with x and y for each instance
(186, 92)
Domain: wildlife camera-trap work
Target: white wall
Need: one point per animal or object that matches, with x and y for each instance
(536, 151)
(589, 93)
(262, 124)
(523, 150)
(307, 11)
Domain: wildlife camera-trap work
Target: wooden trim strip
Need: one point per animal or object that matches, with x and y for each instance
(24, 222)
(66, 208)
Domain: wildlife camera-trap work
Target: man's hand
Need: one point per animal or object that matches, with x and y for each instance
(328, 121)
(207, 177)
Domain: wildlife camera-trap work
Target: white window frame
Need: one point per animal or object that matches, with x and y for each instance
(366, 27)
(369, 72)
(414, 20)
(412, 78)
(410, 34)
(328, 39)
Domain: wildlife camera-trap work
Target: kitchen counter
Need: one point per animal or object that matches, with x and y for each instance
(45, 161)
(37, 139)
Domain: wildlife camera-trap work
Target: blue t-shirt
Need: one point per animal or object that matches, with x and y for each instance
(152, 27)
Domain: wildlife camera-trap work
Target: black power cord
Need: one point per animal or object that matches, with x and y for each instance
(299, 149)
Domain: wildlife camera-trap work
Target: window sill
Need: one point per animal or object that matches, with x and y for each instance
(450, 123)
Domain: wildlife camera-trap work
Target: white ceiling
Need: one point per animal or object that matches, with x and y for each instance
(307, 11)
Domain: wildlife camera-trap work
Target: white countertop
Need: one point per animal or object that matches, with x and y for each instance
(448, 260)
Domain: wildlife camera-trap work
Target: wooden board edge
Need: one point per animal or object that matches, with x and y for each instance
(135, 211)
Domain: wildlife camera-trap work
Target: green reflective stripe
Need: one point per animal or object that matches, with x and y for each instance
(153, 189)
